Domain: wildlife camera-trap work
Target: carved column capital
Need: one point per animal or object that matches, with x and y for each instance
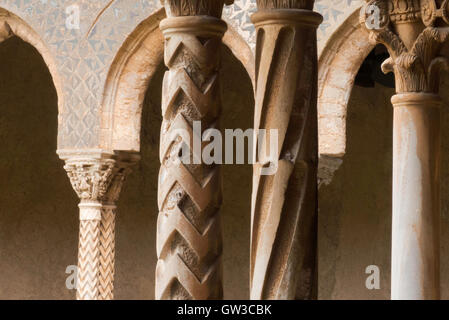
(178, 8)
(413, 32)
(285, 4)
(97, 176)
(283, 236)
(90, 178)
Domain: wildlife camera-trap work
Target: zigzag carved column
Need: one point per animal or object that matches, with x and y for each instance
(284, 205)
(107, 226)
(97, 181)
(189, 239)
(413, 32)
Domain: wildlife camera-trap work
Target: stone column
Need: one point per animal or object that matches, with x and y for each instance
(189, 239)
(412, 33)
(97, 179)
(284, 205)
(107, 226)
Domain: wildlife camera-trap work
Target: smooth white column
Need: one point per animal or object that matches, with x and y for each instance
(416, 199)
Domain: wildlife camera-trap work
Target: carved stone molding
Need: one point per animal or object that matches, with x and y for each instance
(413, 39)
(284, 205)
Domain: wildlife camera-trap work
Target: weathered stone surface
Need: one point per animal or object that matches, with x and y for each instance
(284, 205)
(189, 238)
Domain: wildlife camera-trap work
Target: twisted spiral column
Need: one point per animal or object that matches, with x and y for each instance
(189, 239)
(284, 204)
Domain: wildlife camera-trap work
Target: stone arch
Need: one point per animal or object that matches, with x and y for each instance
(133, 67)
(12, 25)
(339, 63)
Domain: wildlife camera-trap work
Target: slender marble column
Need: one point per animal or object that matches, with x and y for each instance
(284, 204)
(413, 34)
(189, 239)
(97, 178)
(107, 225)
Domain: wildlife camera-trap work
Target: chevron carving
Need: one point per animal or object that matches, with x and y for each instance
(98, 183)
(107, 253)
(189, 239)
(88, 260)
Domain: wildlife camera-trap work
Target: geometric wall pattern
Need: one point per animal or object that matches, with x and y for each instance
(83, 56)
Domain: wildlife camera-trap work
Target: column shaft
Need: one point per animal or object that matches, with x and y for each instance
(416, 209)
(284, 204)
(189, 239)
(88, 281)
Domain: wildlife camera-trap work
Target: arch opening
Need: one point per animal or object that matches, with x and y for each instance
(38, 208)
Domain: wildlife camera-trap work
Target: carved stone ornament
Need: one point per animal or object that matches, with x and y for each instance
(415, 61)
(285, 4)
(178, 8)
(90, 178)
(431, 12)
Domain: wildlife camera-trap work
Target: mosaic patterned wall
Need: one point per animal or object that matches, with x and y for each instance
(83, 56)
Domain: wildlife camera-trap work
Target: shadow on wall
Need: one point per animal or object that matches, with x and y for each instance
(38, 207)
(137, 209)
(355, 209)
